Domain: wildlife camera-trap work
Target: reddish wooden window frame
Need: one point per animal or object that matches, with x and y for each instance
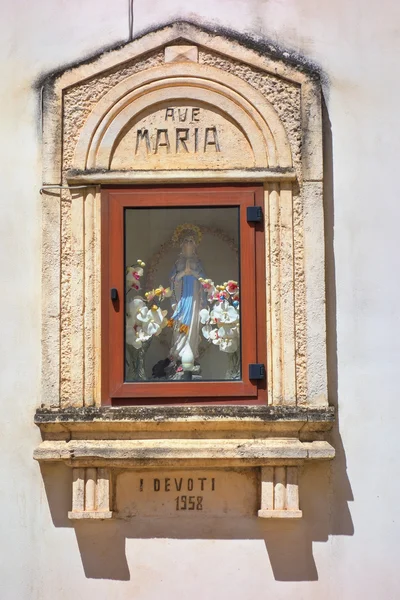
(253, 304)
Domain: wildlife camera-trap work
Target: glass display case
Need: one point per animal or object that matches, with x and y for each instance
(181, 293)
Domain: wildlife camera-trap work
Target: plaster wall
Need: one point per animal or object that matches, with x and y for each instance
(347, 544)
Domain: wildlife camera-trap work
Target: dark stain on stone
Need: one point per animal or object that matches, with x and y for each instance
(171, 413)
(259, 44)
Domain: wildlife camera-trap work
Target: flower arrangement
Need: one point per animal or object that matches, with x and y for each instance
(221, 321)
(144, 318)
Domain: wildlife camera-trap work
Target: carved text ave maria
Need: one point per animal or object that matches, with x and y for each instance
(174, 138)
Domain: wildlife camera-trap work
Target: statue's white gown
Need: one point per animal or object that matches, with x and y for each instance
(190, 299)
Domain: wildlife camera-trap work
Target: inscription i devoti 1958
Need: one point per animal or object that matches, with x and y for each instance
(195, 493)
(181, 132)
(187, 492)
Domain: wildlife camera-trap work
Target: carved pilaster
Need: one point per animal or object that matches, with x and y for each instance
(91, 493)
(80, 271)
(279, 493)
(280, 294)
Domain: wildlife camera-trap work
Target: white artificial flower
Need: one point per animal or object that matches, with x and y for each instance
(206, 330)
(135, 335)
(204, 315)
(133, 276)
(228, 332)
(130, 332)
(152, 320)
(143, 314)
(141, 337)
(211, 334)
(225, 313)
(159, 316)
(135, 306)
(228, 345)
(143, 322)
(152, 328)
(228, 338)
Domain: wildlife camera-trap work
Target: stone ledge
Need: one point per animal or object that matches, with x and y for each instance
(179, 453)
(185, 418)
(103, 177)
(170, 413)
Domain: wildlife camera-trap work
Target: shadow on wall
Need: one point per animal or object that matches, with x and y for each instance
(340, 488)
(289, 544)
(102, 544)
(324, 493)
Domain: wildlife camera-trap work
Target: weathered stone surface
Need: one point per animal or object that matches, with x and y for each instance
(181, 53)
(203, 422)
(159, 414)
(279, 493)
(319, 450)
(284, 95)
(280, 514)
(182, 116)
(91, 494)
(52, 450)
(183, 493)
(167, 452)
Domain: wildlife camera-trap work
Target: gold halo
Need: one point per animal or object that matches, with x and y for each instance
(182, 229)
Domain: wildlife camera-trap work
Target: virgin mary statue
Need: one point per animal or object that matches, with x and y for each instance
(188, 295)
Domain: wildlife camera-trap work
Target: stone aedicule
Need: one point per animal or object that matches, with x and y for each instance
(182, 105)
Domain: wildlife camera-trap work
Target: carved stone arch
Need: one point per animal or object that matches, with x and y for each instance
(252, 113)
(215, 102)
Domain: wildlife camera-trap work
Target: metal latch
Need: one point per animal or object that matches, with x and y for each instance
(254, 214)
(256, 371)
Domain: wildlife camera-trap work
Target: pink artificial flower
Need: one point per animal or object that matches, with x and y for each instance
(232, 286)
(133, 275)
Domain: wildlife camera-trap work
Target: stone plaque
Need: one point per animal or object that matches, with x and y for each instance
(187, 492)
(182, 134)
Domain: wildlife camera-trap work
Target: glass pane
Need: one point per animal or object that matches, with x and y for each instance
(182, 294)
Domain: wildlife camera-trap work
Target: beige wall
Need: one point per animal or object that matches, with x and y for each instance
(347, 545)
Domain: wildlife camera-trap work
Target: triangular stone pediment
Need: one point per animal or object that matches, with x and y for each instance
(179, 98)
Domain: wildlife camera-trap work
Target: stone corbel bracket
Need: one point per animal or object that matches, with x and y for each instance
(91, 494)
(279, 493)
(95, 441)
